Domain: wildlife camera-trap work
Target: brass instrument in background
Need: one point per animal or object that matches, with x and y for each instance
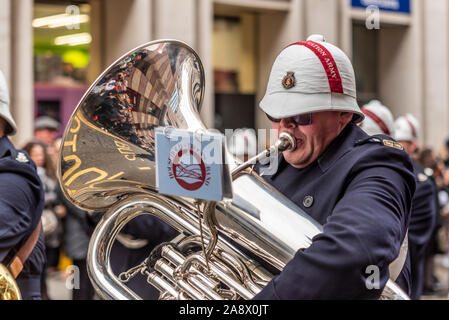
(8, 286)
(107, 163)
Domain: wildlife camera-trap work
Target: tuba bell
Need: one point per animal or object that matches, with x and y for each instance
(107, 164)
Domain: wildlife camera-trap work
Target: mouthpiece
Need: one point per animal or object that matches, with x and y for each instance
(286, 142)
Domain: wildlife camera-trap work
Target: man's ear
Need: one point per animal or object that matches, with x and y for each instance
(344, 118)
(2, 127)
(414, 146)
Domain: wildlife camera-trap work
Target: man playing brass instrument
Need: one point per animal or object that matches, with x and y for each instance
(22, 247)
(357, 186)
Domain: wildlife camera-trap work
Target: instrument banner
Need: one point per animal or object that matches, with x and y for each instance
(190, 164)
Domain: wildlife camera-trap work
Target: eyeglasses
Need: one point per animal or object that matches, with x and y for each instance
(299, 120)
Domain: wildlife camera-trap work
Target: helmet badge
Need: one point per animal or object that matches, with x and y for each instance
(289, 80)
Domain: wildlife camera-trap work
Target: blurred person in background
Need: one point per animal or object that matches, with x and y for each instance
(55, 155)
(54, 211)
(378, 119)
(46, 131)
(76, 244)
(446, 154)
(21, 205)
(439, 243)
(424, 204)
(75, 240)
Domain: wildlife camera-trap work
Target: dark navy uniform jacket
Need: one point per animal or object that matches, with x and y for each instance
(21, 204)
(424, 214)
(360, 189)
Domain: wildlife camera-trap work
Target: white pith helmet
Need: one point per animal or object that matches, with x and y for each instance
(406, 128)
(378, 119)
(11, 128)
(311, 76)
(243, 142)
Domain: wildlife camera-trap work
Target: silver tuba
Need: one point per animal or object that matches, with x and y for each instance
(107, 164)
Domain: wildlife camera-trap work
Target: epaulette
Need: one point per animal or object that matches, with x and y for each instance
(19, 156)
(380, 140)
(22, 157)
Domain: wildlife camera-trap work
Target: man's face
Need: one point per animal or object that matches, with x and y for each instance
(47, 136)
(37, 154)
(312, 140)
(409, 146)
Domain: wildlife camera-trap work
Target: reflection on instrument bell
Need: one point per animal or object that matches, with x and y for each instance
(107, 163)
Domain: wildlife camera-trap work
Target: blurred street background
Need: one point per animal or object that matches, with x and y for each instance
(52, 50)
(442, 273)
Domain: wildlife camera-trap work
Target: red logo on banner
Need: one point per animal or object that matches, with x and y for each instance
(187, 167)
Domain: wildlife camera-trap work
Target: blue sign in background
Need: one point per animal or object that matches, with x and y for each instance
(402, 6)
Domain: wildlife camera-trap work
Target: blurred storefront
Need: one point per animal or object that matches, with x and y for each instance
(61, 56)
(400, 52)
